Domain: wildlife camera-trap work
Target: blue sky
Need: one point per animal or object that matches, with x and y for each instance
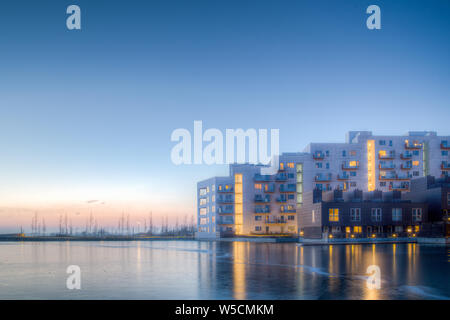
(88, 114)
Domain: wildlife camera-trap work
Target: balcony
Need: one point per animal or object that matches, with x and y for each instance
(262, 209)
(404, 186)
(386, 166)
(225, 221)
(386, 156)
(413, 145)
(281, 176)
(318, 155)
(351, 165)
(287, 209)
(225, 210)
(269, 188)
(287, 188)
(225, 188)
(445, 146)
(406, 155)
(275, 221)
(343, 176)
(405, 176)
(261, 198)
(323, 178)
(260, 177)
(224, 199)
(445, 166)
(387, 177)
(406, 166)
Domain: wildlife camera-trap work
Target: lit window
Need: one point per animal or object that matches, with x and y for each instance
(333, 214)
(382, 153)
(347, 229)
(357, 229)
(415, 163)
(281, 165)
(291, 165)
(258, 186)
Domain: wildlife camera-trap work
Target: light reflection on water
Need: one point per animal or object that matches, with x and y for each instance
(222, 270)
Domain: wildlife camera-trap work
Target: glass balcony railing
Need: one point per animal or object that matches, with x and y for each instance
(287, 209)
(260, 177)
(406, 155)
(281, 176)
(388, 177)
(269, 187)
(445, 166)
(225, 188)
(386, 166)
(275, 221)
(262, 209)
(388, 155)
(343, 176)
(225, 221)
(227, 209)
(323, 178)
(405, 176)
(225, 199)
(413, 145)
(399, 186)
(318, 155)
(287, 188)
(261, 198)
(350, 165)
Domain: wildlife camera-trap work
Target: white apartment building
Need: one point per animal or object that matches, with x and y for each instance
(367, 162)
(248, 203)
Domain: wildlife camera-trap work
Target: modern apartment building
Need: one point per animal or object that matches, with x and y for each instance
(248, 203)
(368, 162)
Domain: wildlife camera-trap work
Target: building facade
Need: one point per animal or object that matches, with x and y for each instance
(387, 163)
(248, 203)
(357, 214)
(436, 193)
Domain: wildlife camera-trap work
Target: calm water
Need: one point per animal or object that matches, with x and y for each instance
(218, 270)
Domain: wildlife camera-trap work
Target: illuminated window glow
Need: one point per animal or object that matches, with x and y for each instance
(238, 203)
(333, 214)
(371, 165)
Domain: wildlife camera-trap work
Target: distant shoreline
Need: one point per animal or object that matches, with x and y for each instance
(107, 238)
